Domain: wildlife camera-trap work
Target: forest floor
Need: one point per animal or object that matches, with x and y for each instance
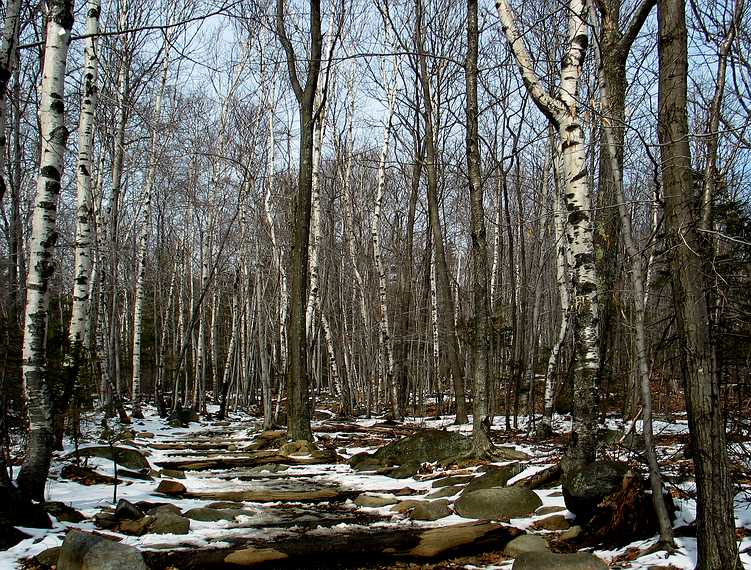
(244, 499)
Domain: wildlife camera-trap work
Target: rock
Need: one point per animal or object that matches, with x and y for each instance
(585, 486)
(549, 510)
(365, 462)
(174, 423)
(135, 527)
(253, 556)
(405, 470)
(496, 477)
(300, 447)
(269, 468)
(127, 435)
(269, 439)
(573, 533)
(405, 492)
(405, 506)
(142, 474)
(146, 434)
(86, 551)
(555, 522)
(374, 501)
(164, 508)
(224, 505)
(125, 510)
(63, 512)
(452, 480)
(205, 514)
(500, 503)
(105, 520)
(169, 523)
(49, 557)
(172, 488)
(428, 445)
(525, 543)
(445, 492)
(173, 473)
(85, 476)
(126, 456)
(430, 510)
(547, 560)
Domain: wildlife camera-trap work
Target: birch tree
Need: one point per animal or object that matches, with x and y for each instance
(561, 110)
(53, 136)
(143, 239)
(375, 232)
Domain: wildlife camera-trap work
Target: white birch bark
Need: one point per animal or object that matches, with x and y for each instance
(375, 232)
(315, 212)
(277, 251)
(562, 112)
(78, 332)
(143, 239)
(53, 137)
(562, 281)
(434, 324)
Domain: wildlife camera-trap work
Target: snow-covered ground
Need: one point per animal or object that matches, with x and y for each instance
(262, 518)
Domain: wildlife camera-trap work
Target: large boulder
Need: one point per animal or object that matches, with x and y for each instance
(86, 551)
(497, 504)
(128, 457)
(541, 560)
(427, 445)
(584, 486)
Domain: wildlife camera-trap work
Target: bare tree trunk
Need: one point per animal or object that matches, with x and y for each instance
(481, 342)
(298, 412)
(143, 239)
(375, 232)
(714, 517)
(441, 267)
(33, 475)
(7, 63)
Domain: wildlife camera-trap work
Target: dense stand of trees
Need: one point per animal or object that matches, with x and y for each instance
(406, 208)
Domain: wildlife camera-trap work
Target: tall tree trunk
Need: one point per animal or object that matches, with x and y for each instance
(714, 515)
(479, 262)
(33, 475)
(7, 63)
(562, 112)
(79, 329)
(375, 232)
(298, 412)
(143, 238)
(446, 300)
